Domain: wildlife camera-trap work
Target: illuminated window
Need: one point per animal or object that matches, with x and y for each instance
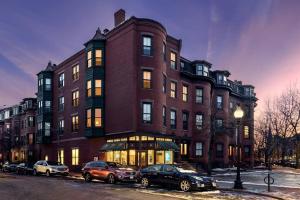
(185, 93)
(89, 88)
(46, 157)
(61, 156)
(219, 102)
(75, 98)
(202, 70)
(173, 60)
(131, 157)
(61, 126)
(75, 72)
(117, 156)
(147, 79)
(183, 149)
(168, 157)
(123, 158)
(160, 157)
(173, 119)
(61, 103)
(150, 157)
(30, 138)
(173, 92)
(199, 95)
(185, 120)
(89, 118)
(89, 58)
(144, 138)
(199, 149)
(98, 87)
(150, 138)
(61, 81)
(246, 132)
(47, 128)
(98, 57)
(109, 156)
(147, 45)
(98, 117)
(75, 123)
(199, 121)
(147, 112)
(230, 150)
(75, 156)
(164, 116)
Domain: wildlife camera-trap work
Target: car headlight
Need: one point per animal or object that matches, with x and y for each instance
(197, 178)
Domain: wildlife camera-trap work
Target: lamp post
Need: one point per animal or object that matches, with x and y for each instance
(238, 115)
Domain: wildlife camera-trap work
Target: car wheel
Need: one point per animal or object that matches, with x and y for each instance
(88, 177)
(35, 173)
(185, 185)
(111, 179)
(145, 182)
(48, 173)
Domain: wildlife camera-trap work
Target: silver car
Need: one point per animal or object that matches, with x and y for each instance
(50, 168)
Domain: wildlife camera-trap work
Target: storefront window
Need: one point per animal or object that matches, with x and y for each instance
(150, 157)
(109, 156)
(144, 138)
(160, 157)
(124, 157)
(117, 156)
(150, 138)
(168, 157)
(131, 157)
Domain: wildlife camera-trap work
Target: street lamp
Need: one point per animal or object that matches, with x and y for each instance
(238, 115)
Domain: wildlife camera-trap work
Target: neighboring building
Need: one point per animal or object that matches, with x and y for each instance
(129, 96)
(17, 131)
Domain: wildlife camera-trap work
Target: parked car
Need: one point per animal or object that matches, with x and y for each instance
(185, 179)
(9, 167)
(50, 168)
(25, 168)
(110, 172)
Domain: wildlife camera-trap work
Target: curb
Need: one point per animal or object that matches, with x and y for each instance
(249, 192)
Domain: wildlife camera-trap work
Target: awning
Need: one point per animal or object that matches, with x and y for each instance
(114, 146)
(166, 145)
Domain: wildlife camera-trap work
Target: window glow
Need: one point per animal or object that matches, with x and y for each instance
(89, 59)
(88, 118)
(98, 117)
(98, 57)
(147, 79)
(98, 87)
(75, 156)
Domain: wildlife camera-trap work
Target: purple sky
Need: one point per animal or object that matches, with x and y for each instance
(258, 41)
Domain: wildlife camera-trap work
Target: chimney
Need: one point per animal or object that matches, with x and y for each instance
(119, 17)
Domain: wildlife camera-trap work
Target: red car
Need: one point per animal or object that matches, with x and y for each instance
(110, 172)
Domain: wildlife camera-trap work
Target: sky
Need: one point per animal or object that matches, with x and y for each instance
(258, 41)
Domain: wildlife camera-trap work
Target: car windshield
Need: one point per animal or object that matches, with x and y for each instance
(53, 163)
(184, 169)
(114, 165)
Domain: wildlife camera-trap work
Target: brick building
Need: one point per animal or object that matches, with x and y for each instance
(129, 96)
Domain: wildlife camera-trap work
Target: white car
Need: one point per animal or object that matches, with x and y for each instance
(50, 168)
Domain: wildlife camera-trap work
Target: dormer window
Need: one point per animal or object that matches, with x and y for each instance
(222, 79)
(201, 70)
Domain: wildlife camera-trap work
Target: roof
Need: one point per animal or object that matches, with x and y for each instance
(97, 37)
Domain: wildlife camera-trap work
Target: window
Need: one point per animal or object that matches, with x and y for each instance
(147, 79)
(199, 149)
(219, 150)
(160, 157)
(185, 93)
(202, 70)
(75, 98)
(147, 109)
(219, 102)
(219, 123)
(150, 157)
(147, 45)
(173, 119)
(247, 151)
(164, 116)
(168, 157)
(222, 79)
(30, 121)
(61, 126)
(231, 105)
(131, 157)
(185, 120)
(47, 128)
(89, 88)
(75, 156)
(182, 65)
(61, 103)
(98, 57)
(47, 106)
(48, 84)
(75, 72)
(98, 87)
(183, 149)
(230, 150)
(98, 117)
(199, 95)
(46, 157)
(89, 58)
(89, 118)
(30, 138)
(75, 124)
(60, 156)
(199, 121)
(40, 106)
(164, 84)
(61, 80)
(246, 132)
(40, 127)
(173, 60)
(164, 51)
(40, 84)
(173, 92)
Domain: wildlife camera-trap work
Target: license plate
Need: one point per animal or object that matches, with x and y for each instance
(131, 177)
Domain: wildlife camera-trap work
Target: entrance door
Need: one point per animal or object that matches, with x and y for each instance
(142, 159)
